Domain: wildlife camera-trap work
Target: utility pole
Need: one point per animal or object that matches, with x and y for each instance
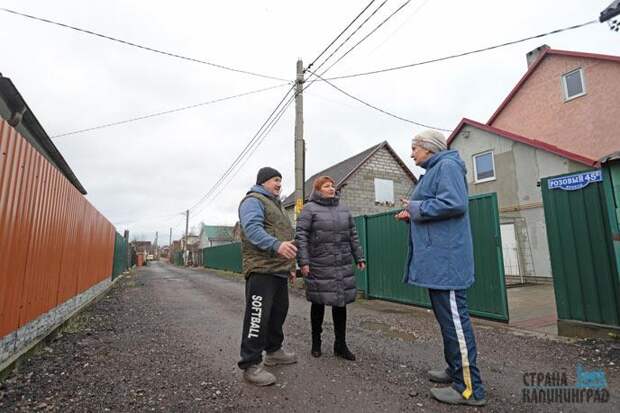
(299, 139)
(185, 253)
(170, 242)
(155, 253)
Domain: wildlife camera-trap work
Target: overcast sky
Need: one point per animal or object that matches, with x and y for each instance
(137, 173)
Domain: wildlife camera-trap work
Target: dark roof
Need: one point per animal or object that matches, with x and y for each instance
(36, 134)
(522, 139)
(341, 171)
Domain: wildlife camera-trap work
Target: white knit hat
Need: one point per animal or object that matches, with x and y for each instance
(431, 140)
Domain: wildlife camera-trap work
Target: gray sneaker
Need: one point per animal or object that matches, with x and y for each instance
(451, 396)
(258, 376)
(439, 376)
(280, 357)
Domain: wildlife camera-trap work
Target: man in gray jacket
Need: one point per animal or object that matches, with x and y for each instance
(268, 260)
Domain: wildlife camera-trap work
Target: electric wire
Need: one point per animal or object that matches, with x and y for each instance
(350, 36)
(341, 33)
(139, 46)
(402, 6)
(382, 110)
(244, 151)
(166, 112)
(454, 56)
(234, 174)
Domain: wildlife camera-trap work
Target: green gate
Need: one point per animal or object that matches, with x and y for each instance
(119, 264)
(223, 257)
(387, 248)
(581, 220)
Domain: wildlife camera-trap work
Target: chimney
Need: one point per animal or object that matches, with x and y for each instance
(532, 55)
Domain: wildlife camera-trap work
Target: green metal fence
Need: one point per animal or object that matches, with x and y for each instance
(223, 257)
(614, 206)
(362, 276)
(120, 263)
(386, 244)
(580, 228)
(387, 248)
(178, 258)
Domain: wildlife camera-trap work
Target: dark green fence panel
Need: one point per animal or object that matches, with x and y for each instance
(361, 277)
(487, 297)
(223, 257)
(388, 239)
(579, 232)
(119, 264)
(388, 246)
(178, 258)
(614, 206)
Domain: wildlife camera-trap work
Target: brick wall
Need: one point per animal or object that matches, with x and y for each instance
(359, 192)
(587, 125)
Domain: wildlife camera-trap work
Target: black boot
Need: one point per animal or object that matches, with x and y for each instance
(340, 330)
(316, 345)
(317, 313)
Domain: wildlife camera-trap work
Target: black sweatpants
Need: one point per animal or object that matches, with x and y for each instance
(266, 306)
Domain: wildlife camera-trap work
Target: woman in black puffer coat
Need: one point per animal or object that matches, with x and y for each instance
(327, 245)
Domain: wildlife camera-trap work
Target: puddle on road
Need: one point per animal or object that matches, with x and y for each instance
(387, 330)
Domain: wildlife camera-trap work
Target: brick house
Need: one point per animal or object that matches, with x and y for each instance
(370, 182)
(559, 118)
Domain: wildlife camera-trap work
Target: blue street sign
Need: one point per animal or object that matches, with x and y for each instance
(576, 181)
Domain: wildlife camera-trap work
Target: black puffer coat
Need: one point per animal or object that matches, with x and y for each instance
(327, 241)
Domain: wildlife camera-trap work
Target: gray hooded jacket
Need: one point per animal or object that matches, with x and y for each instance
(327, 241)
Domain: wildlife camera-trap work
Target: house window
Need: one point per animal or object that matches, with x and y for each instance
(573, 84)
(384, 192)
(484, 167)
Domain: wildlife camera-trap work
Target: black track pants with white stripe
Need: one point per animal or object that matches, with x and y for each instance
(459, 343)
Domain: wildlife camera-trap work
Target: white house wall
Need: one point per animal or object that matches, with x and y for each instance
(518, 169)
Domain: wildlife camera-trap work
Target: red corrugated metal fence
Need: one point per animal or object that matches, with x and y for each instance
(53, 243)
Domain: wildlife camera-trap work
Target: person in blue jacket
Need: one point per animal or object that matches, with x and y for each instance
(441, 259)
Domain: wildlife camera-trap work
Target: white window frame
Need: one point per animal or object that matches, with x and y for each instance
(491, 178)
(391, 182)
(565, 87)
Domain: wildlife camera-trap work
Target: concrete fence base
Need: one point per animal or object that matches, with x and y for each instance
(18, 343)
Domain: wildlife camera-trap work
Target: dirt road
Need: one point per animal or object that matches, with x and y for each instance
(167, 339)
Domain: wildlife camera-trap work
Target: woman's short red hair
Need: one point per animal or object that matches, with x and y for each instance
(318, 182)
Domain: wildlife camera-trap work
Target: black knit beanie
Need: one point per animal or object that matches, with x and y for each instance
(265, 174)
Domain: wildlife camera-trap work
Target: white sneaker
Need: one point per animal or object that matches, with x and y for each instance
(258, 376)
(280, 357)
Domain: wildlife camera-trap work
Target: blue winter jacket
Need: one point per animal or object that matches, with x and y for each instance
(252, 219)
(440, 244)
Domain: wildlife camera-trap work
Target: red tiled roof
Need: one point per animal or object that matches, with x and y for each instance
(535, 64)
(522, 139)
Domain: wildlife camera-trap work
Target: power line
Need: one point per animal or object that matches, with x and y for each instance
(359, 42)
(341, 33)
(240, 162)
(379, 109)
(351, 35)
(150, 49)
(267, 130)
(166, 217)
(402, 6)
(166, 112)
(244, 151)
(510, 43)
